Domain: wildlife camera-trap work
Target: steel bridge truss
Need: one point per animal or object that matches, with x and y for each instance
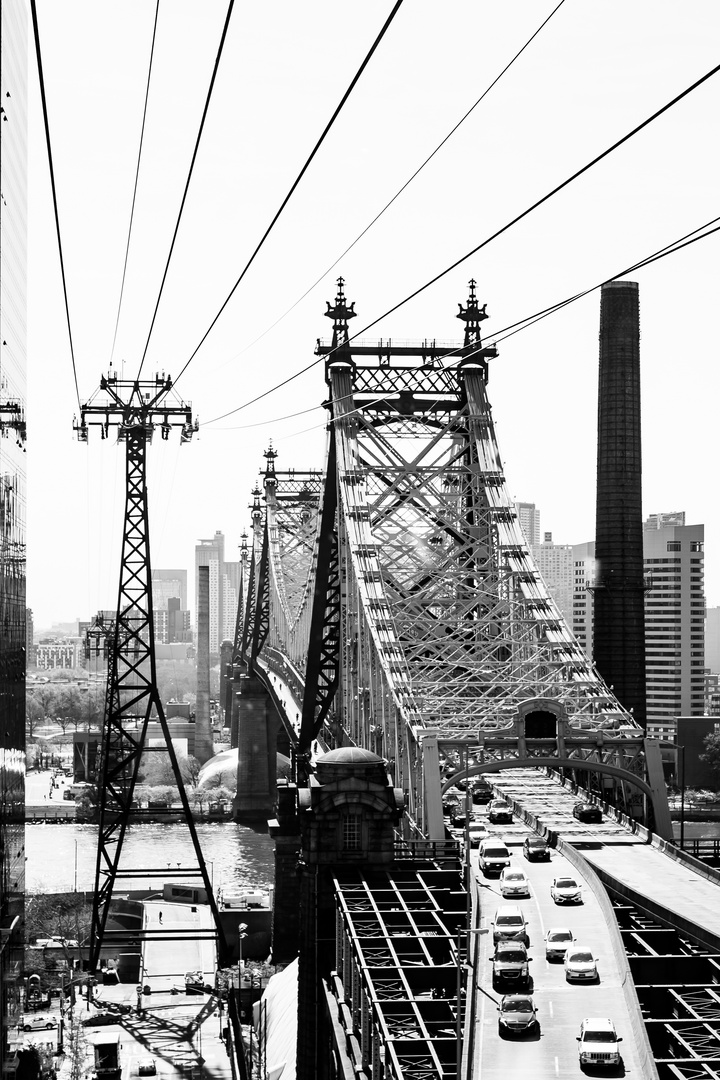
(427, 612)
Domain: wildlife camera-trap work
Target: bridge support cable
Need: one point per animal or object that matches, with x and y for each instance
(133, 700)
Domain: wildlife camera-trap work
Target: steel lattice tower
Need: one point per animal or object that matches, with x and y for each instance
(132, 699)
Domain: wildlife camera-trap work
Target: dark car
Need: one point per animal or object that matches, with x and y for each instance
(481, 792)
(511, 965)
(535, 849)
(587, 811)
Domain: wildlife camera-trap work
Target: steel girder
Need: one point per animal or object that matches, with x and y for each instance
(132, 698)
(442, 596)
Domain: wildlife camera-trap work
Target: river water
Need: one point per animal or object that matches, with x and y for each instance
(61, 858)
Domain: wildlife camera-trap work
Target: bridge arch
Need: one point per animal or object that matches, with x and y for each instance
(578, 764)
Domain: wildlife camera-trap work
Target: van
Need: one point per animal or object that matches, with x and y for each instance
(493, 856)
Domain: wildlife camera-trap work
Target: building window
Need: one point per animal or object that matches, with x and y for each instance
(696, 545)
(674, 545)
(351, 832)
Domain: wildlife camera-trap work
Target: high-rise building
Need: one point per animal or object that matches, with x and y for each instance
(712, 639)
(168, 585)
(529, 519)
(675, 661)
(13, 304)
(674, 622)
(555, 563)
(224, 584)
(584, 573)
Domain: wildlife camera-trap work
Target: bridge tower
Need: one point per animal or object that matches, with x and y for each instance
(134, 409)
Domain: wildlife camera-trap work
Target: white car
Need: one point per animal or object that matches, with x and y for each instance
(37, 1023)
(513, 882)
(580, 964)
(557, 941)
(566, 890)
(477, 831)
(55, 942)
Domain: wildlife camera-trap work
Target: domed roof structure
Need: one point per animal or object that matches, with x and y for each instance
(221, 770)
(345, 755)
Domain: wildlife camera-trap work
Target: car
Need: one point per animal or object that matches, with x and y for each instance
(565, 890)
(517, 1014)
(146, 1067)
(37, 1023)
(587, 811)
(499, 813)
(55, 942)
(598, 1043)
(481, 792)
(194, 982)
(513, 882)
(580, 964)
(511, 965)
(509, 924)
(557, 941)
(493, 856)
(535, 849)
(477, 832)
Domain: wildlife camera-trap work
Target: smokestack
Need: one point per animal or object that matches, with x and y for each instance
(619, 624)
(203, 727)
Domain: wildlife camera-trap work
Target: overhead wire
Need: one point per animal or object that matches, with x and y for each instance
(409, 181)
(189, 177)
(43, 99)
(522, 324)
(137, 175)
(493, 236)
(297, 180)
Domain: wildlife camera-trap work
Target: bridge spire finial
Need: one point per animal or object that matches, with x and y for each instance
(472, 316)
(270, 456)
(340, 313)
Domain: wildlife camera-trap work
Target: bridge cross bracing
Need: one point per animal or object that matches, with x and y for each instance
(441, 625)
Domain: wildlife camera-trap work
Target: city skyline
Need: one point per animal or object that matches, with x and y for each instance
(527, 136)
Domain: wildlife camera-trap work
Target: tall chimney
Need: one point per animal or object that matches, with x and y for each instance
(619, 629)
(203, 727)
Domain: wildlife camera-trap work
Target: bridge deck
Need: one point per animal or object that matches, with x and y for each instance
(691, 895)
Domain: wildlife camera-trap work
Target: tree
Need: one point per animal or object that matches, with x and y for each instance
(712, 755)
(44, 699)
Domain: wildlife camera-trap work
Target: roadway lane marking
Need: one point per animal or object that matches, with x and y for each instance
(557, 1067)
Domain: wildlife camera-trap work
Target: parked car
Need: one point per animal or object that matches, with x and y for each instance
(535, 849)
(511, 965)
(517, 1014)
(37, 1023)
(55, 942)
(598, 1043)
(146, 1067)
(557, 941)
(580, 964)
(493, 856)
(509, 924)
(513, 882)
(587, 811)
(499, 813)
(565, 890)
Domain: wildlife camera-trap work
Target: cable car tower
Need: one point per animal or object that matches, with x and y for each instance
(134, 409)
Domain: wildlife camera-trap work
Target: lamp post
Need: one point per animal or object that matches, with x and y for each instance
(459, 1029)
(76, 843)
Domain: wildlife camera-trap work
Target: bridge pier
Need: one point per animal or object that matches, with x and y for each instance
(256, 730)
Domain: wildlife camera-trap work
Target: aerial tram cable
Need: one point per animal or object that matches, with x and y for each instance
(137, 174)
(41, 78)
(500, 335)
(409, 181)
(187, 182)
(484, 243)
(297, 180)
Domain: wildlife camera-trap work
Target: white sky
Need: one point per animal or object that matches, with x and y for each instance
(599, 68)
